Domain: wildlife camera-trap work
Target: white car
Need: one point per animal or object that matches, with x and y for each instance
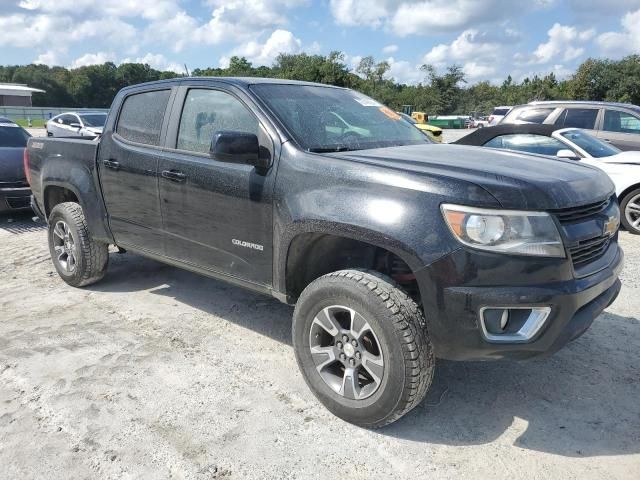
(622, 167)
(76, 124)
(498, 114)
(574, 144)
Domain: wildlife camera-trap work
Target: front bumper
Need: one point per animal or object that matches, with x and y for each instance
(15, 199)
(456, 288)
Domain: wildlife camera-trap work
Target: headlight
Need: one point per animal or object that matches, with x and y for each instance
(506, 231)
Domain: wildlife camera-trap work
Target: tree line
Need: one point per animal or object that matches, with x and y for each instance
(445, 92)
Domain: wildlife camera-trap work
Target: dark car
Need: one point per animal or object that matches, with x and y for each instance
(14, 189)
(393, 249)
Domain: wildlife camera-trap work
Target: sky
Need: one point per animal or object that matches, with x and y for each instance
(490, 39)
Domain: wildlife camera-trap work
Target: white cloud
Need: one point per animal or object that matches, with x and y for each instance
(622, 43)
(24, 31)
(49, 58)
(426, 17)
(157, 61)
(404, 72)
(390, 49)
(93, 59)
(280, 41)
(479, 53)
(564, 44)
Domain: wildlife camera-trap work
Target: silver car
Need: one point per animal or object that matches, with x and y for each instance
(615, 123)
(76, 124)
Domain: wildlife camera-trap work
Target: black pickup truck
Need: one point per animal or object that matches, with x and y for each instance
(394, 250)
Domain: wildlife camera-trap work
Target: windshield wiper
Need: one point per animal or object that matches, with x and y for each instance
(341, 148)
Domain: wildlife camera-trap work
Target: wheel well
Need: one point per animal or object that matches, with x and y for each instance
(54, 195)
(312, 255)
(628, 191)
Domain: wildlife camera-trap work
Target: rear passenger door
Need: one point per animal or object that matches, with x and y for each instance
(621, 129)
(128, 164)
(217, 215)
(584, 118)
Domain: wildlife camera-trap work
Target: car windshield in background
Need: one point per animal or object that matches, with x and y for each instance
(325, 119)
(501, 111)
(12, 136)
(94, 119)
(594, 147)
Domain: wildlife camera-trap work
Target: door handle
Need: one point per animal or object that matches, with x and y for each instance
(112, 164)
(174, 175)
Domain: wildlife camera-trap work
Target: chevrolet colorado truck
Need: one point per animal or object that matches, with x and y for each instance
(394, 250)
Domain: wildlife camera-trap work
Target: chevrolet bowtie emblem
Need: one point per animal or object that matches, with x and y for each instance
(611, 226)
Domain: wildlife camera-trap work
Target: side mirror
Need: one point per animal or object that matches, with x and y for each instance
(75, 125)
(568, 154)
(237, 147)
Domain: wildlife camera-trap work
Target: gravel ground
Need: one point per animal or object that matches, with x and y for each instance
(159, 373)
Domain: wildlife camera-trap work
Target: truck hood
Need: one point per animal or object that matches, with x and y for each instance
(517, 180)
(11, 164)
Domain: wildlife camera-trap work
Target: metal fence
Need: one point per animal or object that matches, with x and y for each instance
(41, 113)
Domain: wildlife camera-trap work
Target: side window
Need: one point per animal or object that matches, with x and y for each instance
(578, 118)
(623, 122)
(67, 119)
(528, 143)
(533, 115)
(141, 117)
(208, 111)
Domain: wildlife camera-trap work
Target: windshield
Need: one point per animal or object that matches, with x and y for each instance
(13, 137)
(501, 111)
(593, 146)
(94, 119)
(323, 119)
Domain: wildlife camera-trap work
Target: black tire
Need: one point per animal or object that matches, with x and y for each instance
(90, 258)
(398, 326)
(626, 213)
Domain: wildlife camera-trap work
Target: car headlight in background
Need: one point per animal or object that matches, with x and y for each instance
(506, 231)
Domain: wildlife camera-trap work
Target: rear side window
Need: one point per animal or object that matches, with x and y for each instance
(141, 117)
(578, 118)
(526, 142)
(13, 137)
(206, 112)
(500, 111)
(623, 122)
(532, 115)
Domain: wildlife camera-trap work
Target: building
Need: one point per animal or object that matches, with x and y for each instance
(16, 95)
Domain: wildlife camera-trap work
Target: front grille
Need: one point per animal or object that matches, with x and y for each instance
(589, 250)
(18, 184)
(18, 202)
(569, 215)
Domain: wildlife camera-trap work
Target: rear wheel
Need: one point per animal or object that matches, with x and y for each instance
(630, 206)
(79, 260)
(362, 346)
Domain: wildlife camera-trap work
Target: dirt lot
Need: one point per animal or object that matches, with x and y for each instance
(160, 373)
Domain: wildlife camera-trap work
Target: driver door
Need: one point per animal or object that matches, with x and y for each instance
(217, 216)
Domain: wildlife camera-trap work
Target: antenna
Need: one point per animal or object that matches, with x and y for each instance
(186, 70)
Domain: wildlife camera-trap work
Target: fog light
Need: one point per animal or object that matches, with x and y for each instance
(512, 324)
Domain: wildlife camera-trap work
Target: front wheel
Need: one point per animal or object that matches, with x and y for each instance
(630, 207)
(362, 346)
(78, 258)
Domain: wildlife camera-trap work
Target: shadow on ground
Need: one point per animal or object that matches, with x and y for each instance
(17, 223)
(583, 401)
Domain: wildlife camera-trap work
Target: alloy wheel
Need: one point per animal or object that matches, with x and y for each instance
(632, 212)
(64, 246)
(346, 352)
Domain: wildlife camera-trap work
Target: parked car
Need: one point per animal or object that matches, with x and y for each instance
(574, 144)
(15, 193)
(498, 114)
(394, 250)
(615, 123)
(76, 124)
(434, 133)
